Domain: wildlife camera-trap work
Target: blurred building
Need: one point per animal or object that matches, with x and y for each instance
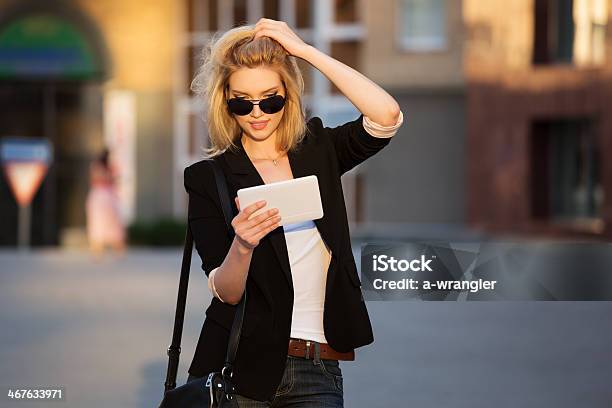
(84, 74)
(504, 106)
(539, 116)
(115, 72)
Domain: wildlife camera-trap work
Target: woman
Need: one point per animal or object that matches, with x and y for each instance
(104, 225)
(304, 309)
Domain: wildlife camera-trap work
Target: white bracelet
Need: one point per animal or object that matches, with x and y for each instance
(211, 284)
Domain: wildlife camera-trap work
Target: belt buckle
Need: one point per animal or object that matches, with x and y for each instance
(307, 349)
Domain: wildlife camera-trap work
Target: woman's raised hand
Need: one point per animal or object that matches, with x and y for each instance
(250, 232)
(280, 31)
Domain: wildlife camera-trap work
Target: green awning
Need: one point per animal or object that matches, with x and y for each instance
(43, 46)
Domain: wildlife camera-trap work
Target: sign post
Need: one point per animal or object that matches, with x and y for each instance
(25, 162)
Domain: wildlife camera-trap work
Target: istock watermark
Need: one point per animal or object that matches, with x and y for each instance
(487, 271)
(384, 262)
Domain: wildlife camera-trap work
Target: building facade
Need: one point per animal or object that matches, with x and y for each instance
(85, 74)
(506, 120)
(539, 117)
(134, 96)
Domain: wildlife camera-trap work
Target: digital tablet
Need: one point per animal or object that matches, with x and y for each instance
(297, 200)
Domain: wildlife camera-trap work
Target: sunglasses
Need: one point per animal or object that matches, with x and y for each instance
(243, 107)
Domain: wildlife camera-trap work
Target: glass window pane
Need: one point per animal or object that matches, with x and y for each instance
(303, 8)
(348, 53)
(213, 24)
(193, 60)
(240, 12)
(197, 135)
(197, 15)
(566, 171)
(346, 11)
(306, 69)
(271, 9)
(599, 44)
(423, 24)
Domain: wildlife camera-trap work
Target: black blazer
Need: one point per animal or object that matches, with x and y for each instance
(262, 351)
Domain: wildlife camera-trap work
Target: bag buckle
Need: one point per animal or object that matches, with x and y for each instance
(224, 371)
(209, 380)
(173, 349)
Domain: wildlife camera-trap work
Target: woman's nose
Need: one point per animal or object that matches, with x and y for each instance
(256, 112)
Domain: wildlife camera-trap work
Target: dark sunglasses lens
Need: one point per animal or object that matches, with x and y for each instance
(273, 104)
(240, 106)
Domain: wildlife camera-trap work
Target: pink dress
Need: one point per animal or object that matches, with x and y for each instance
(104, 224)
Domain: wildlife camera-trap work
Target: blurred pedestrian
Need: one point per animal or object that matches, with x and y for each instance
(104, 224)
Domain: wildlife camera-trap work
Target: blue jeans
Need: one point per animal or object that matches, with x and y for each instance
(305, 383)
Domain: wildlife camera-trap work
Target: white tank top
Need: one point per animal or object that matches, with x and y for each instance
(309, 259)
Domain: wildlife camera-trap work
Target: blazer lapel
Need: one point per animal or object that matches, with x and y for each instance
(246, 175)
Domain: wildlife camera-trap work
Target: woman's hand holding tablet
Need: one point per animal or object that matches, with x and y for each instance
(250, 230)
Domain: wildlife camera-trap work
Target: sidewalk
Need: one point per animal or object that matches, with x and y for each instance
(101, 330)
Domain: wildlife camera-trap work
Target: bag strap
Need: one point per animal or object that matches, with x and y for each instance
(175, 348)
(239, 316)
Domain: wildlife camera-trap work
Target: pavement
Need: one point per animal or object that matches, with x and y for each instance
(101, 329)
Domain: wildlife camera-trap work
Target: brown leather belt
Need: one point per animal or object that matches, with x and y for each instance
(306, 349)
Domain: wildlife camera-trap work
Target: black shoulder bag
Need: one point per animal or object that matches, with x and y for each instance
(216, 390)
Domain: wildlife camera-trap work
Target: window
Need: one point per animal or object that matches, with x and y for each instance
(192, 65)
(346, 11)
(569, 31)
(271, 8)
(198, 137)
(591, 18)
(422, 25)
(565, 170)
(199, 14)
(240, 12)
(347, 52)
(304, 13)
(553, 31)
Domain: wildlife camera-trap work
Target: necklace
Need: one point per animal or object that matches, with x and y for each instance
(274, 161)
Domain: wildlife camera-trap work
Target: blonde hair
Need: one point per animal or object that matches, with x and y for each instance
(233, 50)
